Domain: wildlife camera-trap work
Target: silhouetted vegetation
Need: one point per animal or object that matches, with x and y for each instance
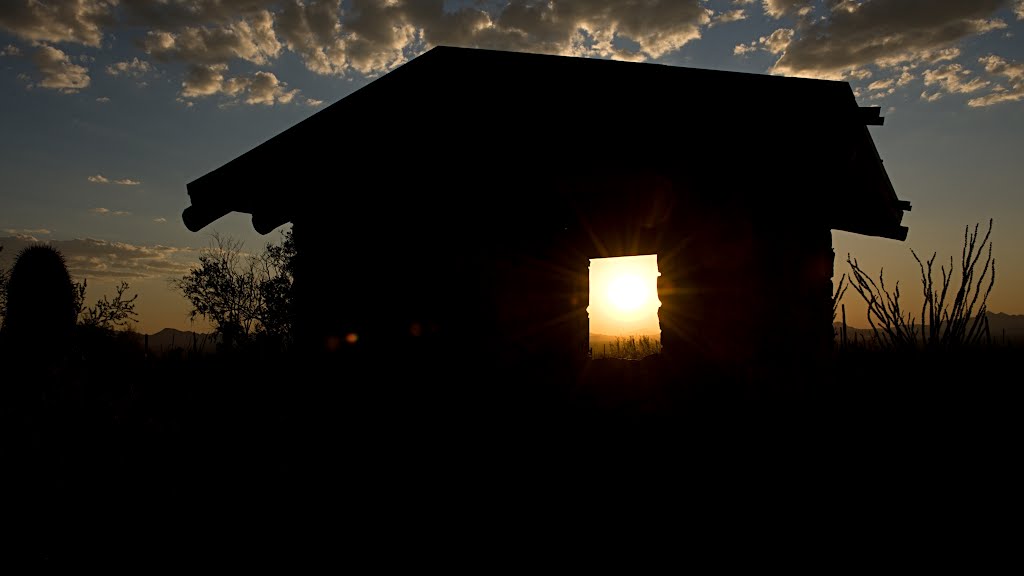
(41, 298)
(180, 433)
(629, 348)
(943, 323)
(247, 297)
(111, 314)
(3, 291)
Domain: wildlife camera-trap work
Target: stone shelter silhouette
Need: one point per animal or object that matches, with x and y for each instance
(454, 203)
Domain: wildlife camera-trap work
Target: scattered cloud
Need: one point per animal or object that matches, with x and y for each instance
(728, 16)
(103, 99)
(951, 79)
(91, 258)
(265, 88)
(160, 220)
(109, 212)
(58, 72)
(101, 179)
(259, 88)
(884, 33)
(312, 102)
(32, 232)
(779, 8)
(368, 37)
(850, 39)
(744, 49)
(376, 36)
(209, 80)
(252, 39)
(881, 84)
(999, 95)
(135, 68)
(1012, 71)
(775, 43)
(16, 236)
(71, 21)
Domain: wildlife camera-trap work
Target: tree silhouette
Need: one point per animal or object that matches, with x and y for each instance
(245, 296)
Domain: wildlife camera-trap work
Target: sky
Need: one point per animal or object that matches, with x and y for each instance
(624, 296)
(108, 108)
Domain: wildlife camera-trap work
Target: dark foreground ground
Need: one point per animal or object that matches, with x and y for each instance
(245, 458)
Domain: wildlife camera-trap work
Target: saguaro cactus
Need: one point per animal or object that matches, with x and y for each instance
(41, 303)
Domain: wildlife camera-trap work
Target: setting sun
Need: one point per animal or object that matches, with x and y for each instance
(627, 292)
(624, 296)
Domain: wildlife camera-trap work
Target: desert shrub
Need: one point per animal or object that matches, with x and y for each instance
(110, 314)
(949, 319)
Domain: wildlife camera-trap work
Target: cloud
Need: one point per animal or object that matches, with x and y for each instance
(996, 65)
(135, 68)
(373, 37)
(367, 37)
(109, 212)
(313, 102)
(774, 43)
(951, 79)
(885, 33)
(101, 179)
(39, 231)
(881, 84)
(1012, 71)
(172, 13)
(779, 8)
(744, 49)
(1018, 9)
(103, 99)
(72, 21)
(10, 50)
(252, 39)
(265, 88)
(729, 16)
(91, 258)
(209, 80)
(998, 95)
(58, 72)
(160, 220)
(259, 88)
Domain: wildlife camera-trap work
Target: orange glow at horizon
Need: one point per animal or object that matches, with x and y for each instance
(624, 296)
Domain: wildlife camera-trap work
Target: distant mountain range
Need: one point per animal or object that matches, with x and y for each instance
(1008, 328)
(169, 339)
